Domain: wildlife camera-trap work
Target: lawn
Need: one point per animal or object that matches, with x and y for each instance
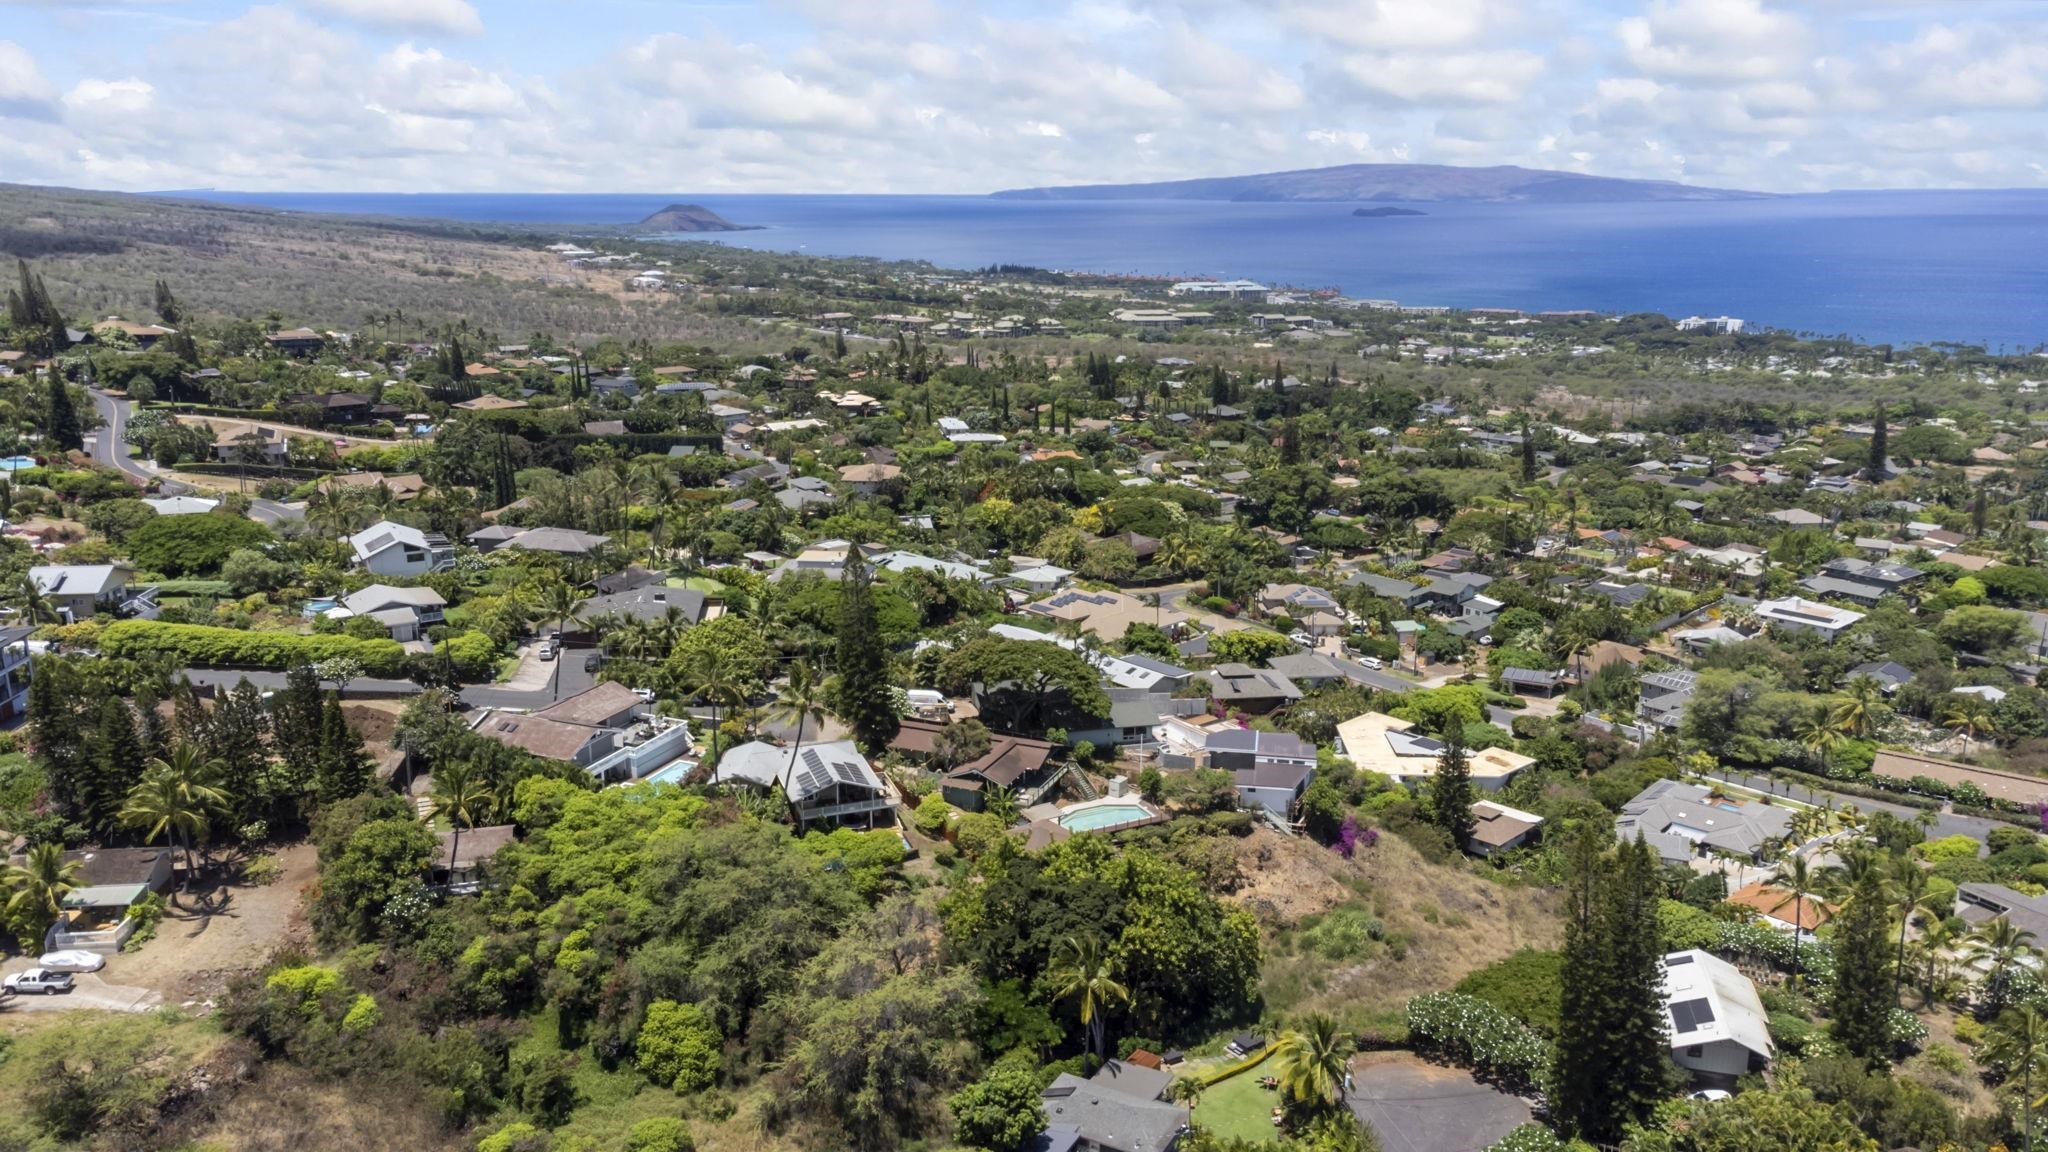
(704, 584)
(1239, 1108)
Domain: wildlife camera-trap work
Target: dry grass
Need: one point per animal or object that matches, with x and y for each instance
(284, 1109)
(1441, 921)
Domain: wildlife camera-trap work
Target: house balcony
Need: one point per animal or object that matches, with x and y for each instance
(806, 813)
(644, 749)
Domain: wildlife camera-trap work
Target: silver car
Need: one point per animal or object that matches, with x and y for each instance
(72, 960)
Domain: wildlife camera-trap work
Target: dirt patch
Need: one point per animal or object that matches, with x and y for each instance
(1288, 878)
(218, 929)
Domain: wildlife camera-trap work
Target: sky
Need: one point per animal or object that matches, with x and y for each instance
(927, 96)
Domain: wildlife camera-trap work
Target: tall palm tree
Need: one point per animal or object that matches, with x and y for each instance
(1083, 972)
(1178, 554)
(557, 602)
(1909, 885)
(2019, 1043)
(176, 799)
(1796, 875)
(799, 702)
(37, 886)
(711, 678)
(463, 796)
(1186, 1090)
(1999, 945)
(1309, 1061)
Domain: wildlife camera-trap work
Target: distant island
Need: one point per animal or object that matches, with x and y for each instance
(1386, 210)
(1414, 183)
(691, 218)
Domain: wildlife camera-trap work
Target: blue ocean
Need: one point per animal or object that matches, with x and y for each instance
(1896, 267)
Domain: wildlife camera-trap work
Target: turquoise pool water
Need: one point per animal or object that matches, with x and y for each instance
(1105, 816)
(16, 463)
(320, 606)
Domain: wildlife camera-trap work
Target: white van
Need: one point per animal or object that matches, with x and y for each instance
(927, 700)
(1373, 662)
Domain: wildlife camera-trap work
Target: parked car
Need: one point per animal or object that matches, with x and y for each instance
(72, 960)
(547, 648)
(592, 662)
(37, 980)
(1302, 639)
(1373, 662)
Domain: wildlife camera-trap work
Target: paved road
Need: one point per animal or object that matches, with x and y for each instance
(569, 678)
(89, 992)
(110, 447)
(1945, 823)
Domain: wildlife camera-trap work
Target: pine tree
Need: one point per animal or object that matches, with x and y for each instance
(1862, 1001)
(1290, 442)
(60, 420)
(1528, 454)
(866, 701)
(839, 343)
(1450, 791)
(113, 763)
(1219, 387)
(150, 726)
(1977, 512)
(166, 304)
(1611, 1063)
(235, 734)
(345, 766)
(295, 717)
(1880, 450)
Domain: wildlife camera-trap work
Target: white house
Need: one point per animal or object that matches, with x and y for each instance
(1795, 614)
(1717, 1024)
(390, 549)
(181, 505)
(78, 591)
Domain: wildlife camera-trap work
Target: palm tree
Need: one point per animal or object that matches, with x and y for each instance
(1999, 945)
(1085, 973)
(998, 801)
(1857, 713)
(1309, 1061)
(798, 702)
(1796, 874)
(2019, 1043)
(34, 606)
(557, 602)
(1909, 885)
(37, 887)
(1186, 1090)
(1178, 554)
(711, 678)
(462, 795)
(1970, 716)
(1820, 738)
(176, 799)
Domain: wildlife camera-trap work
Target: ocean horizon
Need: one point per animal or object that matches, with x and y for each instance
(1884, 267)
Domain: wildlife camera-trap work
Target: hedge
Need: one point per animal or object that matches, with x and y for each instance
(1468, 1030)
(1210, 1079)
(206, 646)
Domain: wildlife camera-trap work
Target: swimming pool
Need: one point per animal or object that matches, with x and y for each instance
(16, 463)
(1094, 817)
(320, 607)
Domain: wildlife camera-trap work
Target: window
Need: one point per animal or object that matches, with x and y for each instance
(1695, 1050)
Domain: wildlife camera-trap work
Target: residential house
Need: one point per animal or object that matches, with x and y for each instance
(82, 591)
(606, 730)
(180, 505)
(643, 602)
(459, 863)
(1681, 820)
(296, 342)
(337, 408)
(1250, 689)
(1272, 769)
(1979, 903)
(1890, 676)
(1865, 582)
(1717, 1025)
(1295, 600)
(867, 479)
(1531, 681)
(1376, 742)
(1107, 614)
(488, 403)
(1798, 615)
(827, 784)
(1021, 765)
(1498, 828)
(1116, 1110)
(405, 612)
(800, 493)
(391, 549)
(1661, 697)
(1781, 909)
(1403, 592)
(559, 541)
(252, 445)
(97, 913)
(1040, 578)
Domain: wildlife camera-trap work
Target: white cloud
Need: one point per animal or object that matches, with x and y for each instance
(130, 97)
(1461, 78)
(1714, 41)
(23, 91)
(453, 17)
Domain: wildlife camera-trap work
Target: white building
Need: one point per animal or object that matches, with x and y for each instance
(1795, 614)
(390, 549)
(1376, 742)
(1716, 1023)
(1724, 324)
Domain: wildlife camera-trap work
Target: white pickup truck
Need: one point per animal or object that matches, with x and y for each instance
(39, 980)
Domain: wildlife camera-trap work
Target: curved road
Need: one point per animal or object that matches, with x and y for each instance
(110, 447)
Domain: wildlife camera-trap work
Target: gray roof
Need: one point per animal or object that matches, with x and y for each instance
(1261, 743)
(378, 597)
(1886, 672)
(1386, 586)
(1110, 1118)
(1980, 902)
(648, 602)
(78, 579)
(1680, 809)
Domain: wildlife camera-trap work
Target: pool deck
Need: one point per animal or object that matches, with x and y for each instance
(1151, 814)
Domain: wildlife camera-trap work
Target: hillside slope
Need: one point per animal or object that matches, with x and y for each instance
(1407, 182)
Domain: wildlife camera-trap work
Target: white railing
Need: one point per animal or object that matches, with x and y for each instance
(851, 808)
(670, 741)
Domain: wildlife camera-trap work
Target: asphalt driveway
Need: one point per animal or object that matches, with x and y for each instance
(1415, 1106)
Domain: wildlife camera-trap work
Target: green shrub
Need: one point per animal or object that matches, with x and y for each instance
(1526, 985)
(930, 818)
(1468, 1030)
(660, 1134)
(147, 913)
(678, 1047)
(515, 1137)
(206, 646)
(1950, 848)
(1343, 934)
(1530, 1137)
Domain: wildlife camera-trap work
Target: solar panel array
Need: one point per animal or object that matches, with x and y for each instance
(1691, 1015)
